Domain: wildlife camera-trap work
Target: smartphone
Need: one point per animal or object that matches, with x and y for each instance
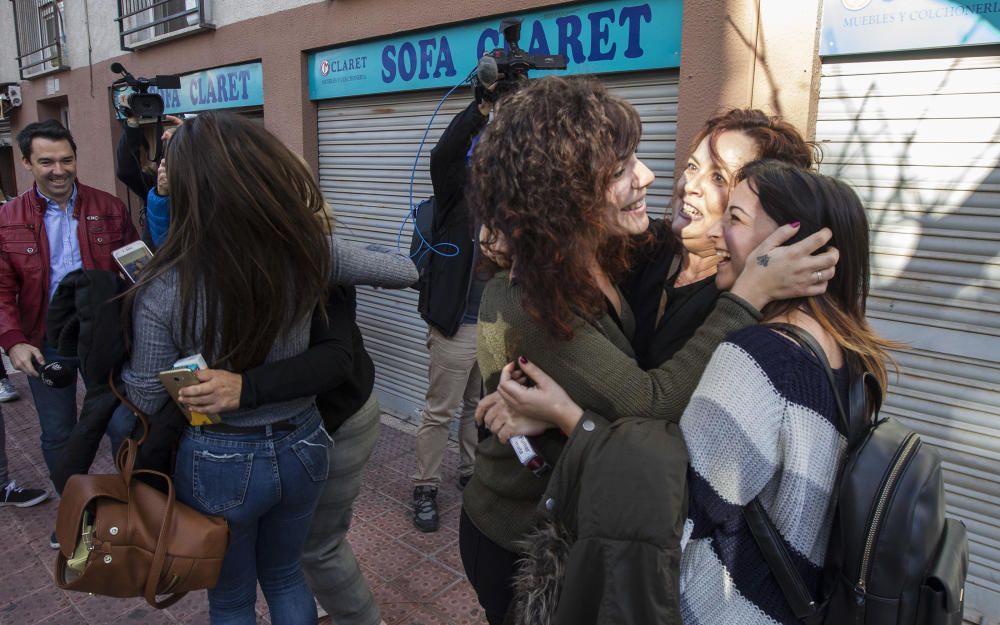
(132, 258)
(174, 380)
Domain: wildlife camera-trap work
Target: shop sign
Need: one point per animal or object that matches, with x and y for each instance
(596, 38)
(233, 86)
(860, 26)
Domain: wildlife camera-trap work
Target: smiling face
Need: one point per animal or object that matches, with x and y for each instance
(626, 196)
(741, 230)
(53, 165)
(704, 186)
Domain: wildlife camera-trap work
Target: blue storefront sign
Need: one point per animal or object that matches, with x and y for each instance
(596, 37)
(860, 26)
(233, 86)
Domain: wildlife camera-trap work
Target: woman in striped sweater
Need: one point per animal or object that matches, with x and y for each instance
(762, 422)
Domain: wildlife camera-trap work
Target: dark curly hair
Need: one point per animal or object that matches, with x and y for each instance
(540, 176)
(775, 137)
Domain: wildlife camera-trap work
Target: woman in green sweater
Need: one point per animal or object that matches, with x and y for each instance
(556, 178)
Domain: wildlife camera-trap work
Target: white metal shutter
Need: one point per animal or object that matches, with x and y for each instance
(366, 149)
(918, 140)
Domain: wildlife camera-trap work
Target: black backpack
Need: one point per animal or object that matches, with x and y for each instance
(893, 558)
(421, 241)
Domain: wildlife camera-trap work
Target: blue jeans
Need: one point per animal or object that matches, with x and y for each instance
(266, 485)
(56, 409)
(120, 427)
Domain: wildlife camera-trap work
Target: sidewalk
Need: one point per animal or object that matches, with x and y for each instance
(417, 578)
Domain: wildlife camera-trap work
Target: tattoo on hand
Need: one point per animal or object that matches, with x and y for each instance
(763, 260)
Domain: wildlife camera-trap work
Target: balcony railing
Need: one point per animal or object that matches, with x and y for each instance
(39, 25)
(141, 21)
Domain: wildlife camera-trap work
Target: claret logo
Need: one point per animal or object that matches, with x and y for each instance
(324, 67)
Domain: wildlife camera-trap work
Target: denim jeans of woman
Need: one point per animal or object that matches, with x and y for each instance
(266, 485)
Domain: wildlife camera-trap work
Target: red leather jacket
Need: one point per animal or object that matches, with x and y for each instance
(104, 225)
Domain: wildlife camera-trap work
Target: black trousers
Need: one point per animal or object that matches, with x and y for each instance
(490, 569)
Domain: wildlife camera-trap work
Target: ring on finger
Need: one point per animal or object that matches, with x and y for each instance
(819, 276)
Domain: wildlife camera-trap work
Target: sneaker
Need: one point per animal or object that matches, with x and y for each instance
(7, 391)
(53, 541)
(14, 495)
(425, 508)
(463, 481)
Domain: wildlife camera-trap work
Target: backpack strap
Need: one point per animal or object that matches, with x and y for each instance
(765, 534)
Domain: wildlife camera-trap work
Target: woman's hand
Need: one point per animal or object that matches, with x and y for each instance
(173, 123)
(162, 185)
(774, 273)
(219, 391)
(545, 402)
(496, 415)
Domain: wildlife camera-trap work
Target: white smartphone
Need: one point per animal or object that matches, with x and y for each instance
(132, 258)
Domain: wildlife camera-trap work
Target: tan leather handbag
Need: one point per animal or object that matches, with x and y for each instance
(120, 537)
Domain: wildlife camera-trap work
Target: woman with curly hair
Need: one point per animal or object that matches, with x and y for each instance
(557, 179)
(762, 423)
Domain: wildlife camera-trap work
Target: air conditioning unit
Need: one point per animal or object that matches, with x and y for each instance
(14, 95)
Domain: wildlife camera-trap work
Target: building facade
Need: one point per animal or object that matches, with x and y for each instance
(903, 96)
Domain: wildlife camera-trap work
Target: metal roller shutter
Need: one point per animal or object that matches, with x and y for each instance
(366, 149)
(918, 140)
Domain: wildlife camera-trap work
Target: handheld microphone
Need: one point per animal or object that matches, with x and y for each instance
(487, 71)
(55, 374)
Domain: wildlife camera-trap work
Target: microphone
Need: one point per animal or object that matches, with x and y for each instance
(486, 71)
(55, 374)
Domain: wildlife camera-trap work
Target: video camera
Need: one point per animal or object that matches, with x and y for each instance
(509, 66)
(141, 103)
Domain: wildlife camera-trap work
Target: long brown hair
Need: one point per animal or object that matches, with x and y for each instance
(249, 238)
(540, 175)
(788, 193)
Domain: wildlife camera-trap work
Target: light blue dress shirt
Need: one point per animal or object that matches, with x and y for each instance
(64, 244)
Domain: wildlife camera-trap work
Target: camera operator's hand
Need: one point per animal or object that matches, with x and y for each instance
(162, 185)
(174, 123)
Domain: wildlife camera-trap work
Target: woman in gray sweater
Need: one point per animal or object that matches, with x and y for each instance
(246, 263)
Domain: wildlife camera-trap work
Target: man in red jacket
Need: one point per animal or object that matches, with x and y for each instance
(56, 227)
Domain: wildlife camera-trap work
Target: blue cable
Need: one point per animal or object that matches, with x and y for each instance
(413, 209)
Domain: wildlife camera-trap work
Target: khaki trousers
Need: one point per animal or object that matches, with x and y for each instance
(453, 382)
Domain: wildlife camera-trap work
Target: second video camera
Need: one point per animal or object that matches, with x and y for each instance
(142, 103)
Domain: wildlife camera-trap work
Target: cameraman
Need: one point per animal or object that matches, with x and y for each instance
(449, 303)
(134, 167)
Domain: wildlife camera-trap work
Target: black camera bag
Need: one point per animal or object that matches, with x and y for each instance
(422, 239)
(893, 558)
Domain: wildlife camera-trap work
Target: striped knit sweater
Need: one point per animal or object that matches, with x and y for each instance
(760, 424)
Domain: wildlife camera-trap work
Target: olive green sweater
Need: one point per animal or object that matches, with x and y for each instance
(597, 368)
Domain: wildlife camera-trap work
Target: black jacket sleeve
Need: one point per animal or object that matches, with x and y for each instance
(324, 366)
(128, 168)
(448, 166)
